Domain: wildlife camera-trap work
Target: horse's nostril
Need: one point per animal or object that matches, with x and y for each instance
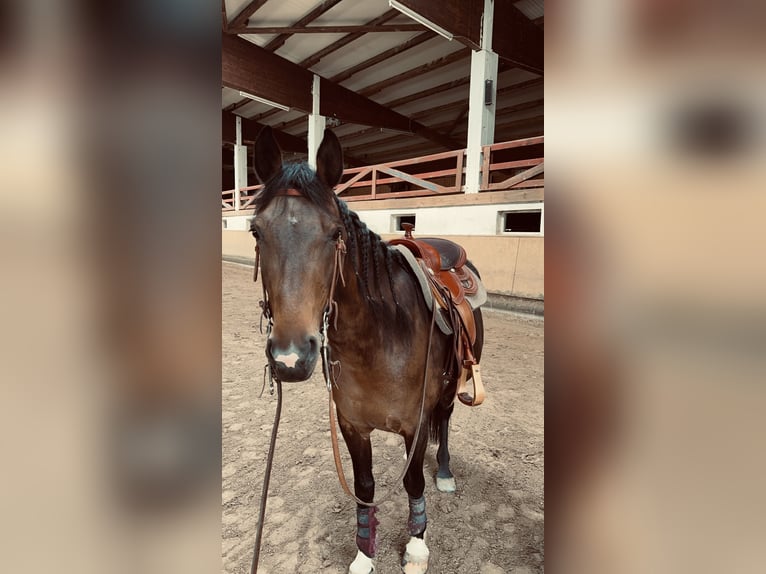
(313, 344)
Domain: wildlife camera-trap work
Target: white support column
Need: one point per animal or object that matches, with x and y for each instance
(481, 117)
(240, 165)
(316, 124)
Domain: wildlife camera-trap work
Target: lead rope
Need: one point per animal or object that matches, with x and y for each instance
(340, 252)
(266, 478)
(334, 432)
(267, 374)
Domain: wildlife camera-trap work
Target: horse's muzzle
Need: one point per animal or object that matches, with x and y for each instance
(293, 363)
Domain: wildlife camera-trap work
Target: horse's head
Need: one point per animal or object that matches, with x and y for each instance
(297, 226)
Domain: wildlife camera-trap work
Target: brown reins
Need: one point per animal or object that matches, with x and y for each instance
(334, 432)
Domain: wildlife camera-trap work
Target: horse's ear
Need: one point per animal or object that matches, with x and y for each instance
(330, 159)
(268, 156)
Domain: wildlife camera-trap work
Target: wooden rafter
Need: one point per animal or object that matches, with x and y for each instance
(438, 89)
(347, 39)
(285, 33)
(516, 38)
(382, 142)
(249, 68)
(452, 84)
(415, 72)
(409, 44)
(522, 44)
(292, 123)
(253, 69)
(459, 118)
(245, 14)
(236, 105)
(517, 87)
(250, 130)
(290, 30)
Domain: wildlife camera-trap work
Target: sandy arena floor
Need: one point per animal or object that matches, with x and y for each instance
(491, 525)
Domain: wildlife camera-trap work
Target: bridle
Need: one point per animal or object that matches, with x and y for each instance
(330, 308)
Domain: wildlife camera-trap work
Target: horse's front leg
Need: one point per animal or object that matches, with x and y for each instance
(415, 560)
(360, 449)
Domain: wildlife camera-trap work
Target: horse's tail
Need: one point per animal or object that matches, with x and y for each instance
(439, 417)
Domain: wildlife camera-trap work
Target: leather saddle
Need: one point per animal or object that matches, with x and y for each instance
(444, 263)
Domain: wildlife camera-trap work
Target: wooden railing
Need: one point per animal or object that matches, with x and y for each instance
(507, 165)
(513, 174)
(384, 180)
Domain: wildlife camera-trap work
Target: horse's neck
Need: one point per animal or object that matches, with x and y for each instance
(355, 311)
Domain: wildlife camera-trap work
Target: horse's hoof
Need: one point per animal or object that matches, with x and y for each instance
(445, 484)
(415, 559)
(362, 564)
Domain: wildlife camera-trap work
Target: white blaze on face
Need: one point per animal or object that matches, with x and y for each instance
(287, 360)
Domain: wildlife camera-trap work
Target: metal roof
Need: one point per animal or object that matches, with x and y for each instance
(371, 65)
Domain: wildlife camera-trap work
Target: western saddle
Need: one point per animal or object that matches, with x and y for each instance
(444, 265)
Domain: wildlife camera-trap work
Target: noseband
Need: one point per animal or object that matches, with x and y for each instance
(330, 309)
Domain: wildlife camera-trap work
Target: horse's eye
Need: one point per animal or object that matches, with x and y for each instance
(338, 234)
(254, 232)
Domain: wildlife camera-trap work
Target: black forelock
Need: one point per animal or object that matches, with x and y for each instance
(299, 176)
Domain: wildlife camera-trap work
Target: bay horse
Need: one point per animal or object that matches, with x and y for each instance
(378, 332)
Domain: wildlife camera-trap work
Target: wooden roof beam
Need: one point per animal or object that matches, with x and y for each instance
(245, 14)
(285, 33)
(347, 39)
(249, 68)
(254, 70)
(236, 105)
(452, 84)
(251, 129)
(520, 41)
(370, 62)
(288, 31)
(415, 72)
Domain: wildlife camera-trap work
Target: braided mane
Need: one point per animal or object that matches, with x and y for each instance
(373, 261)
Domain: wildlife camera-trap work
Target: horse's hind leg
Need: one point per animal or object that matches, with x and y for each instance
(360, 449)
(445, 481)
(415, 560)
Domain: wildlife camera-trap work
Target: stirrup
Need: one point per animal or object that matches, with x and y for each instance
(478, 387)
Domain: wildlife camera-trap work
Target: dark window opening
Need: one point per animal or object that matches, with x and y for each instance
(522, 221)
(404, 219)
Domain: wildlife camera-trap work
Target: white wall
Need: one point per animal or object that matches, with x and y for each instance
(238, 222)
(447, 220)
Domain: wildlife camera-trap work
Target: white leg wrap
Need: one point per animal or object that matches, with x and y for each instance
(415, 559)
(362, 564)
